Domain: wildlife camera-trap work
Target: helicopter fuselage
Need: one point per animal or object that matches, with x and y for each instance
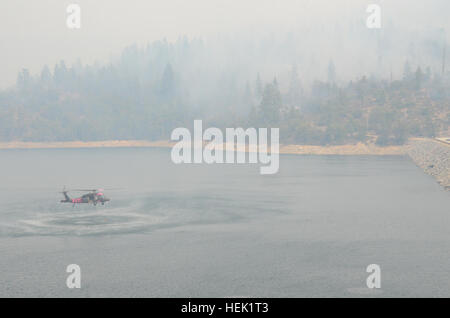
(94, 198)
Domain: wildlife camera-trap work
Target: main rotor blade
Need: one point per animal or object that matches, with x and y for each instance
(92, 190)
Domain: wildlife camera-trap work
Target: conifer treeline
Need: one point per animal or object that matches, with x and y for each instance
(148, 92)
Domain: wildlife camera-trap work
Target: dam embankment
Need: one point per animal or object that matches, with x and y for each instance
(433, 157)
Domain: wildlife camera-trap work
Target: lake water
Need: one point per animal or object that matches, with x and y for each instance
(221, 230)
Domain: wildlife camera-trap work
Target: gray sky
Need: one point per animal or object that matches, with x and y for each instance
(34, 33)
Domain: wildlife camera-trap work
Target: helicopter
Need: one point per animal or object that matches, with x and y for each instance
(93, 196)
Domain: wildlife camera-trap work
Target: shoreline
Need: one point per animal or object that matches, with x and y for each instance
(348, 149)
(429, 154)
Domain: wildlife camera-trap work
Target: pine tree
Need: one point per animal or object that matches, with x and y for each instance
(46, 77)
(258, 87)
(419, 78)
(331, 72)
(271, 104)
(407, 73)
(295, 88)
(168, 82)
(23, 79)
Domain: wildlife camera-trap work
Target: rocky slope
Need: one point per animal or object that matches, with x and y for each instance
(433, 157)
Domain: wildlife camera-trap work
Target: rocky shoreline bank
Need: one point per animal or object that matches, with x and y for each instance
(433, 157)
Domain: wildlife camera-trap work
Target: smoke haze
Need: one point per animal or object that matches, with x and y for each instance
(277, 34)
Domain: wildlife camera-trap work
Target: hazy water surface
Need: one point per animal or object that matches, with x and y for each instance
(221, 230)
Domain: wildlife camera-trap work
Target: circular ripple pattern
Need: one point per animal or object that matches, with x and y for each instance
(139, 215)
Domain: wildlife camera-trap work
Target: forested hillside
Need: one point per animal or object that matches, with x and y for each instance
(149, 91)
